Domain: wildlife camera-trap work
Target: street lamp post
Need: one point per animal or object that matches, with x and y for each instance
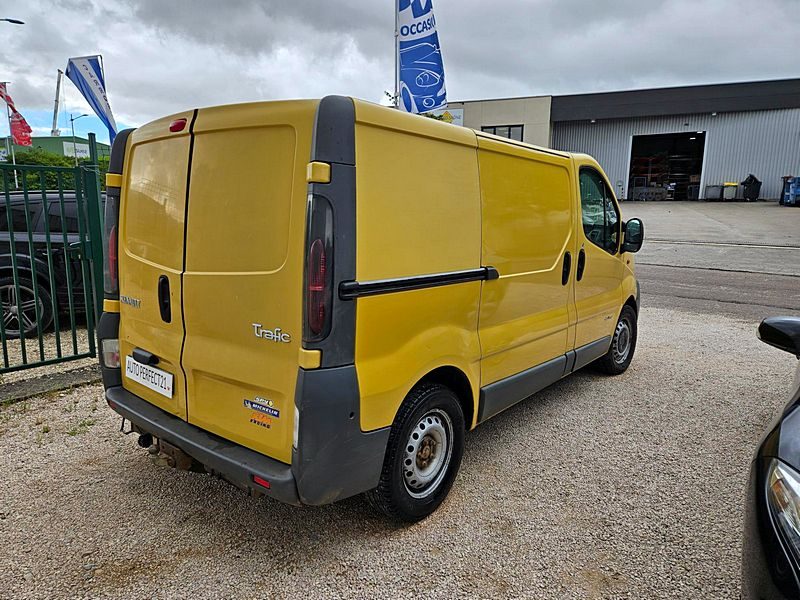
(72, 124)
(13, 21)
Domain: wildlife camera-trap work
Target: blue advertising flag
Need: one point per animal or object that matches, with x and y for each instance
(421, 71)
(86, 72)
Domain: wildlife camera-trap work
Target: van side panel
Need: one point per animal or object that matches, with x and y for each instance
(152, 207)
(528, 227)
(418, 213)
(244, 270)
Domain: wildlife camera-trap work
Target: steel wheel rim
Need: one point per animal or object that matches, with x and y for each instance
(18, 317)
(622, 342)
(427, 455)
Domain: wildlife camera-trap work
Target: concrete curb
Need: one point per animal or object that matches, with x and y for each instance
(16, 391)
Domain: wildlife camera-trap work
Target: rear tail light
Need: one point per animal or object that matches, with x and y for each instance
(319, 270)
(113, 270)
(111, 254)
(109, 350)
(317, 311)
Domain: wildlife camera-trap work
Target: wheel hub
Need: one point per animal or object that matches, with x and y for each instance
(426, 452)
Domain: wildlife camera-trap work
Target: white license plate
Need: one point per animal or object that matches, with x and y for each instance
(157, 380)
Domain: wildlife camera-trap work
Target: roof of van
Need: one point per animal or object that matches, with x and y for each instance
(511, 142)
(386, 116)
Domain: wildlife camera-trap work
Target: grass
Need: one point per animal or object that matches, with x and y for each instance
(81, 427)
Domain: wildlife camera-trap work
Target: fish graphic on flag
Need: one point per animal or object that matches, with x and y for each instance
(421, 71)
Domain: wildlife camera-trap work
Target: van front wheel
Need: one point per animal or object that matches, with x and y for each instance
(423, 455)
(623, 344)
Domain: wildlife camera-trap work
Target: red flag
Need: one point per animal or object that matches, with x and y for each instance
(20, 130)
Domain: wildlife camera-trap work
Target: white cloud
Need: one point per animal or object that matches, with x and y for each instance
(162, 57)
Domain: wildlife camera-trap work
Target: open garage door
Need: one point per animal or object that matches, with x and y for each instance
(666, 166)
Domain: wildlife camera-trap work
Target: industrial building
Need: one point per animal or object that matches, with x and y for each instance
(64, 145)
(679, 143)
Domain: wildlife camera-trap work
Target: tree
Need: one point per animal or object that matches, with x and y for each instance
(41, 157)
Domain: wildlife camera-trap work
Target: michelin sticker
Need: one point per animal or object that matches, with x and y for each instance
(262, 405)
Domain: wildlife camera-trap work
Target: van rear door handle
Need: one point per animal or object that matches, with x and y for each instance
(566, 268)
(581, 263)
(163, 299)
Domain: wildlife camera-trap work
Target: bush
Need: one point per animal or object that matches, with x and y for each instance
(38, 156)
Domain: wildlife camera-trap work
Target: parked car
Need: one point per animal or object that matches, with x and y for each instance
(375, 285)
(31, 254)
(771, 549)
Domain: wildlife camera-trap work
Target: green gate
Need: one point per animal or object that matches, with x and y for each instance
(51, 264)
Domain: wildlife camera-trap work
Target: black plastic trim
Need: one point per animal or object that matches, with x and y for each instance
(500, 395)
(333, 142)
(591, 352)
(235, 463)
(334, 458)
(350, 290)
(334, 138)
(117, 159)
(144, 357)
(497, 397)
(566, 268)
(569, 367)
(581, 264)
(116, 163)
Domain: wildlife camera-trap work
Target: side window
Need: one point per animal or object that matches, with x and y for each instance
(18, 223)
(69, 223)
(600, 215)
(512, 132)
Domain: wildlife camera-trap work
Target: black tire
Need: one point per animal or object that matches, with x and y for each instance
(401, 496)
(10, 313)
(623, 344)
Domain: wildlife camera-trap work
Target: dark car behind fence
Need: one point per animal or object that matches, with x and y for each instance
(50, 264)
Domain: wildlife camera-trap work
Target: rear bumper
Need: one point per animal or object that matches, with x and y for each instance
(334, 458)
(235, 463)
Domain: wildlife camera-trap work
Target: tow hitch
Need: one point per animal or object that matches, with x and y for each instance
(176, 458)
(163, 454)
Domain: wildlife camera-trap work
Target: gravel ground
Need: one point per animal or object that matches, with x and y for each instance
(628, 487)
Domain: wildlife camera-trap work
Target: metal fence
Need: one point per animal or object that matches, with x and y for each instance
(51, 271)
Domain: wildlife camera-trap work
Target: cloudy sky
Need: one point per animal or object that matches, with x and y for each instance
(162, 56)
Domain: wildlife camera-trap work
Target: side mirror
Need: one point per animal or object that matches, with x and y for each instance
(634, 236)
(781, 332)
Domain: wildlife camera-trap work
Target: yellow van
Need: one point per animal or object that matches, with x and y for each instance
(314, 299)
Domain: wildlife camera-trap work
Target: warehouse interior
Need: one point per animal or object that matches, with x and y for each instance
(666, 166)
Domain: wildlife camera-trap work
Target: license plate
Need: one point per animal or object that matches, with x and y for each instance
(157, 380)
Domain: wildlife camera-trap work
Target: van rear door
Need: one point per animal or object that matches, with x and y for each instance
(151, 227)
(242, 289)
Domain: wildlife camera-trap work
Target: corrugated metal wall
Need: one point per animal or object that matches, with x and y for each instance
(765, 143)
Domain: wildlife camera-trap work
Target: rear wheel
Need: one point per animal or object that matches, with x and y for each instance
(423, 455)
(623, 344)
(19, 310)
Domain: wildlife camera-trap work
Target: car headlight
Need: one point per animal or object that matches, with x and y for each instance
(783, 494)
